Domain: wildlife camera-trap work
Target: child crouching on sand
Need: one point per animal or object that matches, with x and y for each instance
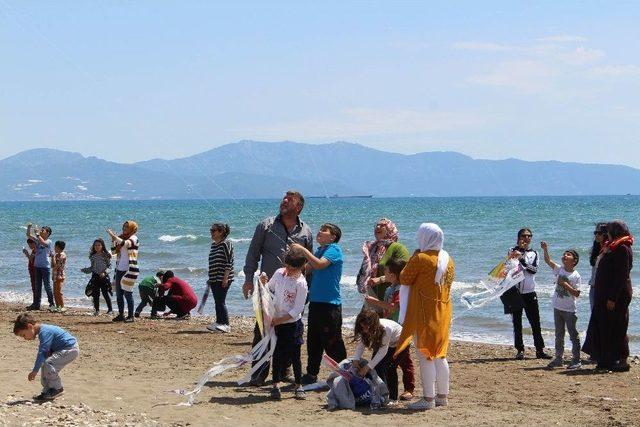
(148, 289)
(564, 304)
(57, 349)
(380, 335)
(289, 288)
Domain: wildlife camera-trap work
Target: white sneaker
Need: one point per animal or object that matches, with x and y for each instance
(213, 327)
(223, 328)
(422, 405)
(442, 401)
(96, 313)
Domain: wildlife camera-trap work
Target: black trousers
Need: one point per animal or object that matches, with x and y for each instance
(220, 297)
(146, 297)
(532, 310)
(287, 351)
(100, 284)
(386, 370)
(161, 303)
(324, 334)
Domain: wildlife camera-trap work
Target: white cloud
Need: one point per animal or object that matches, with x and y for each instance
(483, 46)
(34, 181)
(361, 122)
(617, 70)
(81, 187)
(562, 38)
(524, 76)
(581, 56)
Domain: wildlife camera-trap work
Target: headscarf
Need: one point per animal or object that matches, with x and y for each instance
(392, 230)
(430, 238)
(374, 252)
(131, 228)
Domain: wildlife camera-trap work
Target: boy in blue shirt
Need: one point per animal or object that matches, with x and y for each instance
(57, 349)
(324, 330)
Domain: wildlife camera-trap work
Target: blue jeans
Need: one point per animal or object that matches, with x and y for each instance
(121, 294)
(43, 277)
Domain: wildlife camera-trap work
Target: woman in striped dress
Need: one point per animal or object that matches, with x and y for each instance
(220, 273)
(126, 248)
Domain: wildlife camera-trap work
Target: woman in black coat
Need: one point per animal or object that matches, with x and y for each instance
(607, 340)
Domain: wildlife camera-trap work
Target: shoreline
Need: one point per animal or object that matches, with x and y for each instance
(347, 325)
(124, 373)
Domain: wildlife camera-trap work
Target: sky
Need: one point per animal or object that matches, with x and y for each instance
(135, 80)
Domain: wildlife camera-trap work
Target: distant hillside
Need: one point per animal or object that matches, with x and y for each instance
(250, 169)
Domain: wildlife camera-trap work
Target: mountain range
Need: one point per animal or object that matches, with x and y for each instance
(251, 169)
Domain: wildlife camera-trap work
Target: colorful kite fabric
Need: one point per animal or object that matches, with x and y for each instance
(503, 277)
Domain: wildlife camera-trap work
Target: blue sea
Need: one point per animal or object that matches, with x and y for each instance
(478, 231)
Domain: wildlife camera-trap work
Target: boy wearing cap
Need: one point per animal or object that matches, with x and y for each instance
(564, 304)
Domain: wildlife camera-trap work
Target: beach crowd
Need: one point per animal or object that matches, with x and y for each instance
(407, 300)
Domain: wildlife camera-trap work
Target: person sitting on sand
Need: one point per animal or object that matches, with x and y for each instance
(57, 349)
(179, 297)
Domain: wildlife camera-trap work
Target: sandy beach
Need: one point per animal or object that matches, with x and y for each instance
(125, 371)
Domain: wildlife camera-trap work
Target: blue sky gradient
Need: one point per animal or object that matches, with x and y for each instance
(130, 81)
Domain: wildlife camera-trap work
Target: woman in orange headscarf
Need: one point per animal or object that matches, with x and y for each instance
(429, 275)
(126, 247)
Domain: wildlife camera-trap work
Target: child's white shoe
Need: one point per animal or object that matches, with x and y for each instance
(213, 327)
(422, 405)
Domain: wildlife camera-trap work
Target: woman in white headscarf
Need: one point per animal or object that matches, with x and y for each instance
(429, 275)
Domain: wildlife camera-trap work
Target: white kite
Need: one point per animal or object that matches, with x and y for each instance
(503, 277)
(261, 353)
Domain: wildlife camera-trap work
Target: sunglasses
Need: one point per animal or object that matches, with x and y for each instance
(528, 236)
(597, 233)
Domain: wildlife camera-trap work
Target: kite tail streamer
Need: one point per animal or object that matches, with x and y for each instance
(219, 367)
(260, 354)
(205, 296)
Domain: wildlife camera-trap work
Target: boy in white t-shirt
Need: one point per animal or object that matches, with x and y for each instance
(564, 304)
(289, 289)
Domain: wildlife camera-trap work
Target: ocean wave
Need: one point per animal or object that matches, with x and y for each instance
(194, 271)
(239, 240)
(27, 298)
(170, 239)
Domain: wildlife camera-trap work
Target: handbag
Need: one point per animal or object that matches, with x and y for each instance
(88, 290)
